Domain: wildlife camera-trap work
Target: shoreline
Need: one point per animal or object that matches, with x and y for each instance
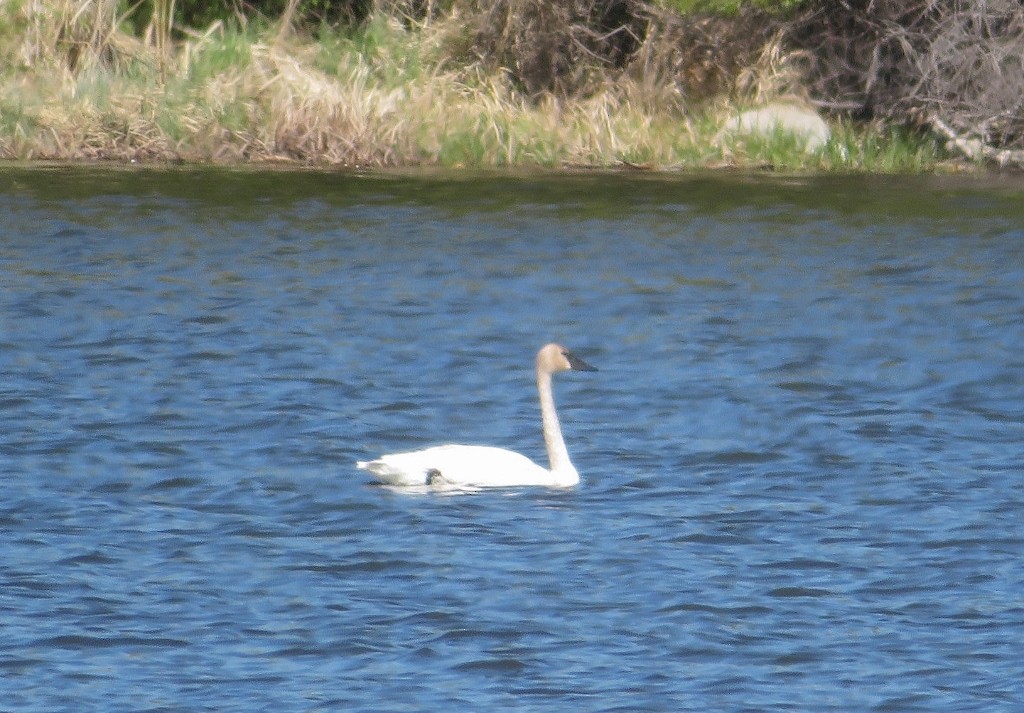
(955, 175)
(952, 166)
(390, 97)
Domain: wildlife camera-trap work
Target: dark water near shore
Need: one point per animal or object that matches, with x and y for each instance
(801, 457)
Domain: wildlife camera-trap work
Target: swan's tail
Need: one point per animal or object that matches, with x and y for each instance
(387, 473)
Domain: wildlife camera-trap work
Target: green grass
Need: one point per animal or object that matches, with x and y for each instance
(881, 150)
(851, 148)
(779, 150)
(225, 51)
(393, 54)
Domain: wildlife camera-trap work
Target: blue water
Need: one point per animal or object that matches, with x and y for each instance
(801, 469)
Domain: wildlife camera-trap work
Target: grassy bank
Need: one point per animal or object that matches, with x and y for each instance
(75, 86)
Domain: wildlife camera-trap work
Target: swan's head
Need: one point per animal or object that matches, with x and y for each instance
(555, 357)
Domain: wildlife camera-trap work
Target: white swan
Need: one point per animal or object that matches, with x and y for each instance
(486, 466)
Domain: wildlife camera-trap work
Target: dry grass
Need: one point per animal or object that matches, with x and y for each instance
(285, 101)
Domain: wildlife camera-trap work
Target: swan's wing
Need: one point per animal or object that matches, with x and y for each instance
(398, 468)
(458, 465)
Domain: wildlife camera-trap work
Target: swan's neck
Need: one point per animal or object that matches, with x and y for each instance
(558, 455)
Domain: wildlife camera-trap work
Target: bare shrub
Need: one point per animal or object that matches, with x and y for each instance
(957, 61)
(559, 47)
(972, 72)
(702, 55)
(862, 51)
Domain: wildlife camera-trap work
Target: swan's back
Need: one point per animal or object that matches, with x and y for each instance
(486, 466)
(482, 466)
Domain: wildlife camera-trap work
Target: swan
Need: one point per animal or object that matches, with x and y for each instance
(487, 466)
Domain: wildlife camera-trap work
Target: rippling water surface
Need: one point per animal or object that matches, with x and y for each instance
(801, 457)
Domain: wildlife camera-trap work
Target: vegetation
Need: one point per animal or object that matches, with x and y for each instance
(429, 82)
(730, 7)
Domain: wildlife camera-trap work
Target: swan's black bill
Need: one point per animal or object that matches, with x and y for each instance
(578, 364)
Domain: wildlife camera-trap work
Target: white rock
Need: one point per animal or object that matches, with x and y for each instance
(800, 121)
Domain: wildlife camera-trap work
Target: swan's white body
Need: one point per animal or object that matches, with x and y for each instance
(485, 466)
